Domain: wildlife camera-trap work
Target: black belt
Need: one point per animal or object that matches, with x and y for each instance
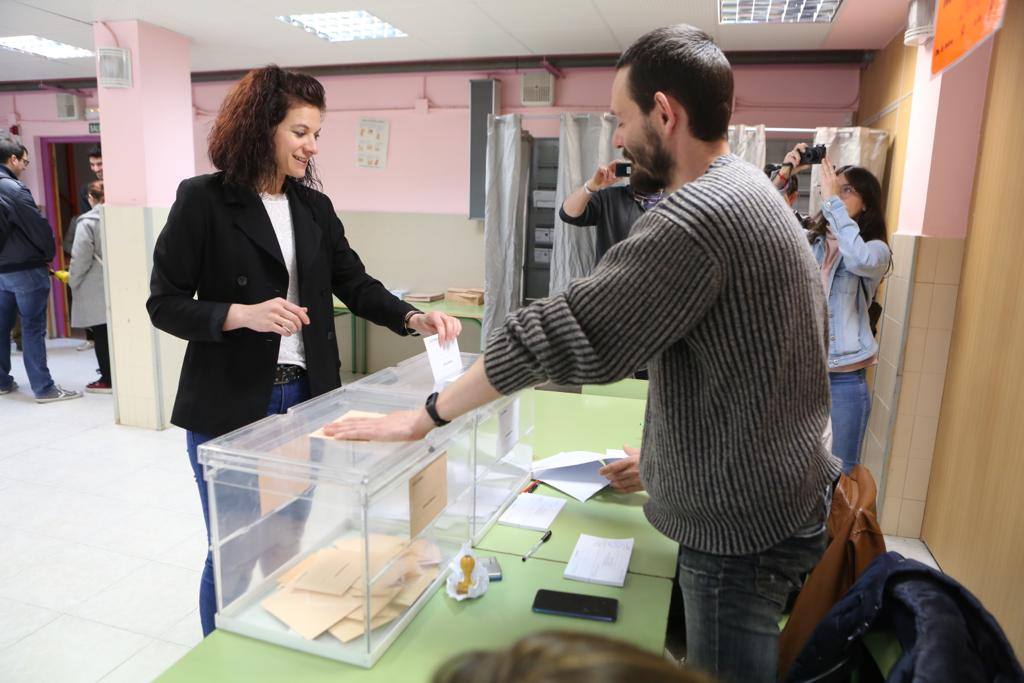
(288, 373)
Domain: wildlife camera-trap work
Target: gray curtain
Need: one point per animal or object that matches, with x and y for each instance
(748, 143)
(584, 143)
(857, 146)
(507, 184)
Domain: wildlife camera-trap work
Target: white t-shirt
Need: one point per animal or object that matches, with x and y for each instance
(292, 351)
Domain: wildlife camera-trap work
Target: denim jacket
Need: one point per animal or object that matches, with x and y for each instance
(850, 338)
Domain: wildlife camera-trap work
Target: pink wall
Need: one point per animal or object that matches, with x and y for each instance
(143, 127)
(428, 169)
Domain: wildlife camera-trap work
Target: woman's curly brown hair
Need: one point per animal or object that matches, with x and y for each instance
(241, 143)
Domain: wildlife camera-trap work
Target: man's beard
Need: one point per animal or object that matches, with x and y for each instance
(652, 164)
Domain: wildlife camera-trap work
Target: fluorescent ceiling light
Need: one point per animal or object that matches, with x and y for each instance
(344, 26)
(777, 11)
(51, 49)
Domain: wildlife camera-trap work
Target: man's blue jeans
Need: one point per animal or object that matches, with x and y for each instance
(851, 406)
(25, 292)
(733, 605)
(241, 510)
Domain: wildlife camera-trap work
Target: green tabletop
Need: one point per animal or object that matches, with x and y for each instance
(575, 422)
(442, 629)
(608, 515)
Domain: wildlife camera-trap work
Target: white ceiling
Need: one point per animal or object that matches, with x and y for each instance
(237, 34)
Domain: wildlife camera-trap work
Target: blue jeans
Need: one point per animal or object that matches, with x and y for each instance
(733, 605)
(242, 510)
(851, 405)
(26, 292)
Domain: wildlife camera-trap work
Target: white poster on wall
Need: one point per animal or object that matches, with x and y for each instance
(372, 143)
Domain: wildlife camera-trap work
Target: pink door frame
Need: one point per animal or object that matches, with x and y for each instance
(50, 192)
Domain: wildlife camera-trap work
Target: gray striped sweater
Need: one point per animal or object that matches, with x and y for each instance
(717, 292)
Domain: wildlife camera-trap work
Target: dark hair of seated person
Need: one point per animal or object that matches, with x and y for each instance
(564, 657)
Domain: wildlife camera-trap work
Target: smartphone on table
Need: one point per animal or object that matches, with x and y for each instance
(576, 605)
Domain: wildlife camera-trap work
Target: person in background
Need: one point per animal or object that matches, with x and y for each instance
(85, 277)
(611, 207)
(25, 254)
(850, 244)
(244, 271)
(717, 290)
(565, 657)
(96, 166)
(785, 178)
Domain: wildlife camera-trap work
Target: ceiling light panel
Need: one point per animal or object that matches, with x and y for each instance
(43, 47)
(339, 27)
(777, 11)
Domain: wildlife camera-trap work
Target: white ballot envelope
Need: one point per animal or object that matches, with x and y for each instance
(575, 472)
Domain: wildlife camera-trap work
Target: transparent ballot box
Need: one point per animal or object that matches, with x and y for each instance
(503, 435)
(332, 547)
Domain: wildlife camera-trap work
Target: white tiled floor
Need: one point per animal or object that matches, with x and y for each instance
(103, 538)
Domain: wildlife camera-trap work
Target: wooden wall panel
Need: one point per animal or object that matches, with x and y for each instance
(974, 518)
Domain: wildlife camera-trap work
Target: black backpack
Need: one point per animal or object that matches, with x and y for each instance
(874, 309)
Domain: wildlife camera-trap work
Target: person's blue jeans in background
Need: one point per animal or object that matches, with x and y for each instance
(25, 292)
(851, 406)
(239, 505)
(733, 604)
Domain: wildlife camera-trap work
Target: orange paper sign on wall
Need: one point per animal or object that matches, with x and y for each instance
(962, 25)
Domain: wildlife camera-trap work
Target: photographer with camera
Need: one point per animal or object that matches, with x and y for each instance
(849, 242)
(611, 208)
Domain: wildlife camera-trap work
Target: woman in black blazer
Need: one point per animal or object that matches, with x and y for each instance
(244, 270)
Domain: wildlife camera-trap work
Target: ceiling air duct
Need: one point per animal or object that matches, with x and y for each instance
(920, 23)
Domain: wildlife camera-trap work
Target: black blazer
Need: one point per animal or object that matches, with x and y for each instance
(219, 248)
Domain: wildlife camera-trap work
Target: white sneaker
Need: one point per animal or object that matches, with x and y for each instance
(58, 394)
(86, 345)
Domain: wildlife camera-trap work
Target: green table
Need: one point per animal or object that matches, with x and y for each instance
(442, 629)
(357, 325)
(627, 388)
(564, 422)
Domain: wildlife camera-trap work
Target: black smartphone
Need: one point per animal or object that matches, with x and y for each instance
(623, 170)
(576, 605)
(812, 155)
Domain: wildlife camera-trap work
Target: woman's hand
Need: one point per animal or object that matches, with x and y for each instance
(277, 315)
(443, 325)
(406, 425)
(793, 158)
(829, 180)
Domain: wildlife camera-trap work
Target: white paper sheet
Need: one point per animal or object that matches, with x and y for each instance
(445, 361)
(508, 428)
(529, 511)
(574, 473)
(600, 560)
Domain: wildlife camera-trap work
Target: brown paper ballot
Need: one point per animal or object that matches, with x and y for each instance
(309, 614)
(428, 494)
(350, 629)
(333, 572)
(415, 588)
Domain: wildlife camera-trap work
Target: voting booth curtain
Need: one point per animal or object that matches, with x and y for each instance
(855, 146)
(584, 143)
(507, 189)
(748, 143)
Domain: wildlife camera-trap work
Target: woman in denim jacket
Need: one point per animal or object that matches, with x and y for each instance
(849, 241)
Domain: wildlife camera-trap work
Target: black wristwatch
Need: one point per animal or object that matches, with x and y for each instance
(431, 407)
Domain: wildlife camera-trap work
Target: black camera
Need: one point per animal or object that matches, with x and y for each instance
(623, 170)
(812, 155)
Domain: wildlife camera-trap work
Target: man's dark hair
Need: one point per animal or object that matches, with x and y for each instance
(10, 148)
(95, 152)
(683, 62)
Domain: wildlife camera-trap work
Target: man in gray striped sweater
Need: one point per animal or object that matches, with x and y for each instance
(717, 292)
